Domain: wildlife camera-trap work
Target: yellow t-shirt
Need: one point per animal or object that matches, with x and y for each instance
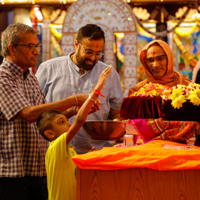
(61, 181)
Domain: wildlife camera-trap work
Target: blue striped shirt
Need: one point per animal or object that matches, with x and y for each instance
(60, 78)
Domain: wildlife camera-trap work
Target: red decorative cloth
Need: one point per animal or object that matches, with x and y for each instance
(188, 112)
(139, 107)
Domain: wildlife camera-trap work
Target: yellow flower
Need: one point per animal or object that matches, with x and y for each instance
(176, 93)
(166, 94)
(182, 86)
(193, 86)
(194, 99)
(195, 92)
(178, 102)
(140, 92)
(153, 93)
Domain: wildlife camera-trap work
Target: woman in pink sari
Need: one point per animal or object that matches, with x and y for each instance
(157, 59)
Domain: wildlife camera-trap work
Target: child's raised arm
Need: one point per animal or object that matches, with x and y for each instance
(85, 108)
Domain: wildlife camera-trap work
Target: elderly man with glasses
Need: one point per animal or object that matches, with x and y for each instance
(22, 101)
(78, 73)
(157, 59)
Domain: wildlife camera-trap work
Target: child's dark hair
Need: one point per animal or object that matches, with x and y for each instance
(44, 121)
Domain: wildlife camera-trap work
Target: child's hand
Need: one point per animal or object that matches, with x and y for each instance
(103, 77)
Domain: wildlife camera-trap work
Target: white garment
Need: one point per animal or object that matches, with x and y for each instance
(60, 78)
(195, 71)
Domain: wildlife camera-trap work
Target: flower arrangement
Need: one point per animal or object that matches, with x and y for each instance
(178, 94)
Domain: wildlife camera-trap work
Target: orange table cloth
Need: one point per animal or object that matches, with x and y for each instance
(158, 155)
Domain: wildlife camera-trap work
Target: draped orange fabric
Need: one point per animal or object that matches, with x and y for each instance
(172, 78)
(158, 155)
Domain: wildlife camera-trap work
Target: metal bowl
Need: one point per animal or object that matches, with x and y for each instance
(104, 130)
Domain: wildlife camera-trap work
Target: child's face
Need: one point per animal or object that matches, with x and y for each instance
(60, 124)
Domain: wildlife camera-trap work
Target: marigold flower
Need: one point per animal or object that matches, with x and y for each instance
(176, 92)
(178, 102)
(194, 99)
(195, 92)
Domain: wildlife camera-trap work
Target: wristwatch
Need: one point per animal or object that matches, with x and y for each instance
(74, 109)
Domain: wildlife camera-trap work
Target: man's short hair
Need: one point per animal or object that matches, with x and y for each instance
(44, 121)
(13, 34)
(90, 31)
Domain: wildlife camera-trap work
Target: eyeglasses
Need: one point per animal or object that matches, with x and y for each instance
(157, 58)
(31, 47)
(90, 53)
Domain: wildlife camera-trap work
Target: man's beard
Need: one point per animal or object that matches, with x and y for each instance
(82, 64)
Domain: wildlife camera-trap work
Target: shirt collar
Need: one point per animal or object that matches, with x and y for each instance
(72, 63)
(18, 71)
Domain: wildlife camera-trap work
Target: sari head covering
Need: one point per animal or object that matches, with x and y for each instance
(171, 78)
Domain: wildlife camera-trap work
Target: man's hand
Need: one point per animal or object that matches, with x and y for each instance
(80, 99)
(95, 106)
(115, 115)
(93, 149)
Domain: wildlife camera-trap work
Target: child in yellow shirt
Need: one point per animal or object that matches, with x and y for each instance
(54, 126)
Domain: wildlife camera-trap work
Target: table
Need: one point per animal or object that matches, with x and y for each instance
(158, 170)
(138, 184)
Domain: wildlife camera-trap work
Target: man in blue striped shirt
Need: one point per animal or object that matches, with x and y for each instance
(78, 73)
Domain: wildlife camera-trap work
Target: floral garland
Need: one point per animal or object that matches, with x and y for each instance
(178, 94)
(151, 89)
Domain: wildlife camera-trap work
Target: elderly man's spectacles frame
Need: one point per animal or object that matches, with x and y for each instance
(31, 47)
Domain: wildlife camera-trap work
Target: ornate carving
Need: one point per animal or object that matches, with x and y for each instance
(113, 16)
